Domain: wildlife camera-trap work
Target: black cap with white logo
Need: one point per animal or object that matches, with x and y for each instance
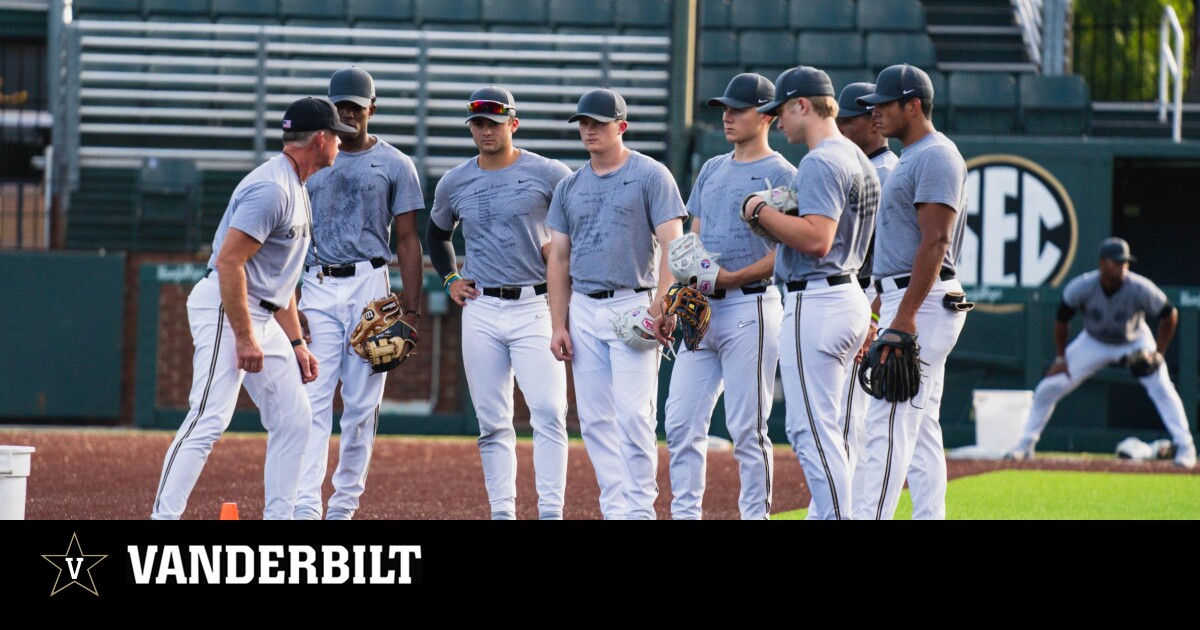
(744, 91)
(848, 106)
(601, 104)
(352, 84)
(313, 114)
(897, 82)
(796, 82)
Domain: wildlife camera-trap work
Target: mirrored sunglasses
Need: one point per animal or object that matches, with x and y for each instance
(490, 107)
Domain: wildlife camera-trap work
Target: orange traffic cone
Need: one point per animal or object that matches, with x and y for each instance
(229, 512)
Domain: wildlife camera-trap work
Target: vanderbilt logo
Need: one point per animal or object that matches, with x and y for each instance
(74, 567)
(1021, 225)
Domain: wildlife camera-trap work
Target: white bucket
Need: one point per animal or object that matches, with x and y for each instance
(1000, 416)
(14, 470)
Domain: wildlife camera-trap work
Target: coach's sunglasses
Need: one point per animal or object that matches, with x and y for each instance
(491, 107)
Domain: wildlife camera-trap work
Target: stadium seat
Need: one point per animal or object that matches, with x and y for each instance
(176, 7)
(718, 46)
(1054, 105)
(941, 99)
(108, 9)
(831, 50)
(575, 13)
(509, 12)
(522, 29)
(643, 13)
(245, 8)
(380, 11)
(842, 78)
(715, 13)
(440, 11)
(983, 102)
(758, 14)
(886, 49)
(823, 15)
(891, 15)
(333, 12)
(766, 48)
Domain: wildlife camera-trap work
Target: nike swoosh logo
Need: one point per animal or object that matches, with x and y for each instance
(755, 178)
(377, 165)
(763, 100)
(538, 316)
(522, 181)
(791, 92)
(909, 91)
(745, 324)
(630, 182)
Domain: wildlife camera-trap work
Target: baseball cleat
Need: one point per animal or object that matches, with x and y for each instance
(1185, 456)
(1019, 454)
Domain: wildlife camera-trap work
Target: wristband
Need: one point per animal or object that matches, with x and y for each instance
(875, 317)
(450, 278)
(297, 342)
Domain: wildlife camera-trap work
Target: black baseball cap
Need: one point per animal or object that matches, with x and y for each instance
(798, 81)
(744, 91)
(352, 84)
(897, 82)
(848, 106)
(1116, 249)
(313, 114)
(493, 103)
(601, 104)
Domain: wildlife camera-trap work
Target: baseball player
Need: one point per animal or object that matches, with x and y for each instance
(501, 198)
(243, 315)
(744, 329)
(609, 221)
(854, 121)
(355, 202)
(1114, 302)
(826, 315)
(917, 240)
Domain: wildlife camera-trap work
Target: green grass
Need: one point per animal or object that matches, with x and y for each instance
(1061, 495)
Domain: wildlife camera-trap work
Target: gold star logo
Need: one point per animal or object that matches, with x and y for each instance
(75, 563)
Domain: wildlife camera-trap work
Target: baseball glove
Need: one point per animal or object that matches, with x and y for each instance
(635, 328)
(781, 198)
(899, 379)
(381, 337)
(691, 263)
(691, 307)
(1143, 363)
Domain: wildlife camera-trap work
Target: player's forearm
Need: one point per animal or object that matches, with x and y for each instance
(1166, 330)
(408, 252)
(289, 320)
(232, 279)
(926, 266)
(558, 278)
(441, 250)
(1061, 330)
(760, 269)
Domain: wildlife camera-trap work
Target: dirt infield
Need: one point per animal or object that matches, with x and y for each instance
(84, 474)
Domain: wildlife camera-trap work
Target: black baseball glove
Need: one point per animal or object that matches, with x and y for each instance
(899, 379)
(1142, 363)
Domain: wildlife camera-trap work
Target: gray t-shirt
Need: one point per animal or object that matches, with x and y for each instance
(884, 161)
(930, 171)
(271, 206)
(716, 200)
(835, 180)
(354, 202)
(503, 214)
(610, 220)
(1114, 318)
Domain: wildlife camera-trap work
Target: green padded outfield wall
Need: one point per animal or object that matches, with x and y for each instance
(61, 338)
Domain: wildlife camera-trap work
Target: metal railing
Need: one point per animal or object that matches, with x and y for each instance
(1029, 18)
(1170, 68)
(1117, 54)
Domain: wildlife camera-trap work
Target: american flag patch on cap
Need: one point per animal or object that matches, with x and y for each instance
(287, 124)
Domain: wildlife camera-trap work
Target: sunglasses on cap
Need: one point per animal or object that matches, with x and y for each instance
(491, 107)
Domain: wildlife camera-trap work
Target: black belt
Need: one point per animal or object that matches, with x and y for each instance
(270, 306)
(833, 281)
(902, 281)
(719, 294)
(864, 282)
(513, 293)
(603, 295)
(346, 270)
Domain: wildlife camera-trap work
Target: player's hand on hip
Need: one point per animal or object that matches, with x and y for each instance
(462, 290)
(560, 345)
(249, 354)
(307, 362)
(1058, 367)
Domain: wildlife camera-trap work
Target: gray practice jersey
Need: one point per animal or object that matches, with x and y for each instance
(716, 200)
(610, 220)
(354, 202)
(270, 206)
(930, 171)
(503, 214)
(835, 180)
(884, 161)
(1114, 318)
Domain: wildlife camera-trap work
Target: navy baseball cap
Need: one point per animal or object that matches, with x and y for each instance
(493, 103)
(897, 82)
(352, 84)
(601, 104)
(744, 91)
(1116, 249)
(798, 81)
(313, 114)
(848, 106)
